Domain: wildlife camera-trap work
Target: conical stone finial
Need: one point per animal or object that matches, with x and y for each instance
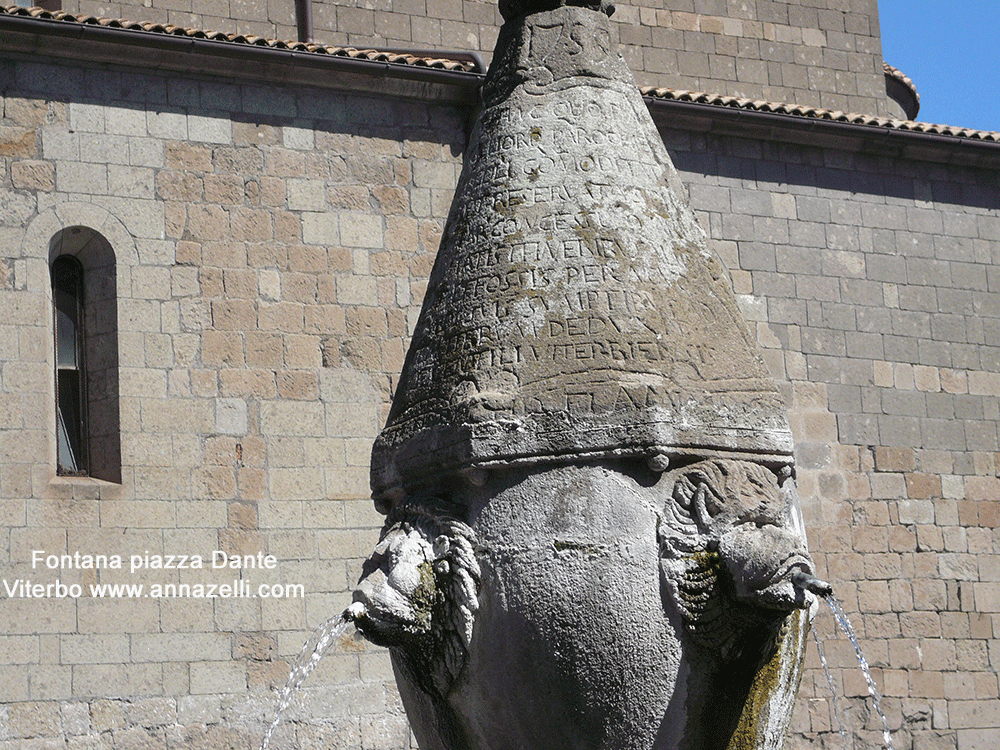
(573, 308)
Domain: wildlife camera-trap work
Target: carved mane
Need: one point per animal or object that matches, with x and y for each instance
(457, 576)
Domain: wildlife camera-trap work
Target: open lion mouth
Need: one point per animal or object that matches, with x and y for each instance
(796, 562)
(385, 616)
(382, 631)
(780, 590)
(387, 606)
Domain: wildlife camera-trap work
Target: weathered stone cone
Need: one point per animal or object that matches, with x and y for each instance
(573, 309)
(592, 538)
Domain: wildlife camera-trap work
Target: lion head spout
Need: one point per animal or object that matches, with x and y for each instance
(419, 590)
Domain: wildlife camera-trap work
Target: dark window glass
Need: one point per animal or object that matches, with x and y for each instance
(71, 399)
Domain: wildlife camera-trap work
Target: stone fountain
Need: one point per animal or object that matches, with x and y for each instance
(592, 536)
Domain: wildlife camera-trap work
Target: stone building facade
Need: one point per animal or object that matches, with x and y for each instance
(271, 216)
(822, 53)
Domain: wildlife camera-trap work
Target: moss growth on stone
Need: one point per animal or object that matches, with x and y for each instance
(425, 595)
(766, 682)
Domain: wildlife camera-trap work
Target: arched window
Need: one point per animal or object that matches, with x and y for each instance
(85, 308)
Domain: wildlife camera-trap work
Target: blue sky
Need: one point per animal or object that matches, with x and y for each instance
(951, 51)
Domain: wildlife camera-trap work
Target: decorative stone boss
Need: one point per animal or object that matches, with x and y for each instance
(593, 538)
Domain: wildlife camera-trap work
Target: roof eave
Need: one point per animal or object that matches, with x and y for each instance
(252, 63)
(816, 131)
(246, 62)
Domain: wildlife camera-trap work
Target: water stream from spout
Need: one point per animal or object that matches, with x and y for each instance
(319, 642)
(833, 688)
(876, 696)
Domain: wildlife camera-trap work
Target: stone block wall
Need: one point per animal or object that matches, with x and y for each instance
(872, 284)
(823, 53)
(272, 248)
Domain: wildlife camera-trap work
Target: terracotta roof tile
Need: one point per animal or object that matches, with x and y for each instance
(817, 113)
(901, 77)
(440, 63)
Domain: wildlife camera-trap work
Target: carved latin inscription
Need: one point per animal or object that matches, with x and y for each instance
(572, 289)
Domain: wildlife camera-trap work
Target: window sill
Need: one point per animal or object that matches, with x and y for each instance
(68, 480)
